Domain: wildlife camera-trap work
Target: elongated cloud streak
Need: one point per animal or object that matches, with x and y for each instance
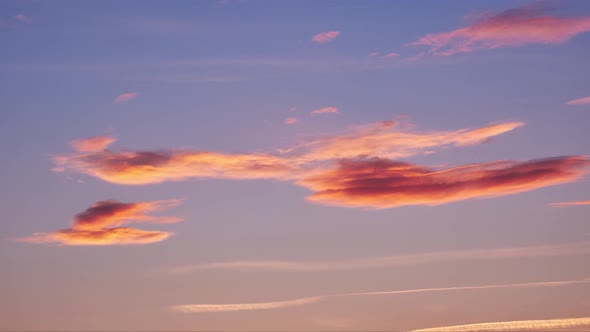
(397, 260)
(325, 37)
(324, 110)
(125, 97)
(143, 167)
(381, 183)
(512, 27)
(289, 121)
(581, 101)
(386, 140)
(570, 204)
(100, 225)
(203, 308)
(519, 325)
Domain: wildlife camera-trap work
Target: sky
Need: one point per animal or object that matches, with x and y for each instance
(247, 165)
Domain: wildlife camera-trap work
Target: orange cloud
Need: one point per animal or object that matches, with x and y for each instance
(325, 37)
(581, 101)
(519, 325)
(385, 139)
(512, 27)
(570, 204)
(92, 144)
(381, 183)
(144, 167)
(99, 225)
(125, 97)
(324, 110)
(289, 121)
(362, 176)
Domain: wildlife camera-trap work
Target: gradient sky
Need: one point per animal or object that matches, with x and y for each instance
(294, 165)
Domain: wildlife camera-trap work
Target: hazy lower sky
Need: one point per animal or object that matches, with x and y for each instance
(248, 165)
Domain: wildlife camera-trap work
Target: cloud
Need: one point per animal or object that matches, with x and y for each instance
(385, 139)
(324, 110)
(92, 144)
(519, 325)
(100, 224)
(289, 121)
(510, 28)
(581, 101)
(203, 308)
(22, 18)
(395, 260)
(145, 167)
(125, 97)
(325, 37)
(347, 169)
(570, 204)
(198, 308)
(382, 183)
(391, 55)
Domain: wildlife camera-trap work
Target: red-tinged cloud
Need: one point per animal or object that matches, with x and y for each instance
(570, 204)
(385, 139)
(290, 121)
(581, 101)
(324, 110)
(145, 167)
(325, 37)
(510, 28)
(92, 144)
(100, 224)
(382, 183)
(125, 97)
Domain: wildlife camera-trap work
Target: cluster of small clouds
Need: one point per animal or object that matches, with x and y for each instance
(313, 113)
(100, 224)
(352, 169)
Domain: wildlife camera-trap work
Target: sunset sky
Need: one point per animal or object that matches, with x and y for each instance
(248, 165)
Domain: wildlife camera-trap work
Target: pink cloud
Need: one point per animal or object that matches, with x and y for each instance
(510, 28)
(125, 97)
(581, 101)
(325, 110)
(570, 204)
(290, 121)
(325, 37)
(22, 18)
(92, 144)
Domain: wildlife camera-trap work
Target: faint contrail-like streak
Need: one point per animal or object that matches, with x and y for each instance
(199, 308)
(520, 325)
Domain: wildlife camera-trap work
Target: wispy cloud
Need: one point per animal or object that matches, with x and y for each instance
(203, 308)
(581, 101)
(324, 110)
(22, 18)
(325, 37)
(382, 183)
(396, 260)
(290, 121)
(519, 325)
(570, 204)
(99, 225)
(513, 27)
(125, 97)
